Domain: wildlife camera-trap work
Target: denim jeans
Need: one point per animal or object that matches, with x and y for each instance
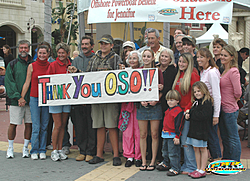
(213, 141)
(230, 136)
(40, 120)
(189, 164)
(171, 154)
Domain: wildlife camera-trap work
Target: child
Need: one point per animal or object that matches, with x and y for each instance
(171, 132)
(200, 117)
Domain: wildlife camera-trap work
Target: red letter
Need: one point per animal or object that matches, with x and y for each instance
(44, 81)
(215, 14)
(65, 93)
(198, 15)
(207, 13)
(191, 13)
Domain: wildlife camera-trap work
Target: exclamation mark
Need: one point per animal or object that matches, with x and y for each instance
(151, 76)
(145, 75)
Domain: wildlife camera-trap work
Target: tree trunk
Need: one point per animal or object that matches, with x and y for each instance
(166, 34)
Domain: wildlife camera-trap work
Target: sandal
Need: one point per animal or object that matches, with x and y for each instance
(143, 167)
(96, 160)
(150, 167)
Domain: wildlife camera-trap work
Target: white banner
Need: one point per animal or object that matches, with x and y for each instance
(82, 5)
(128, 85)
(182, 11)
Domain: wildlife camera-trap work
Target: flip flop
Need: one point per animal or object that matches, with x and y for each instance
(150, 167)
(143, 167)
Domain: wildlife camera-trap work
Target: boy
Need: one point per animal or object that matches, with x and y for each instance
(171, 132)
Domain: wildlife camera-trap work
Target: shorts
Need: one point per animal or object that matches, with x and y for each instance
(59, 109)
(149, 113)
(105, 115)
(18, 114)
(196, 143)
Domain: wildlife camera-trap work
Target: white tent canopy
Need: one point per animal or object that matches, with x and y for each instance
(208, 37)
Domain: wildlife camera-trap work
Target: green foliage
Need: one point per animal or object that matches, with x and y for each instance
(140, 41)
(62, 16)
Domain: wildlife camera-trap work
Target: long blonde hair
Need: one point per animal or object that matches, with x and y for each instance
(204, 90)
(185, 81)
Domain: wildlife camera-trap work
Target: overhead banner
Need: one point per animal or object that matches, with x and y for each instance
(182, 11)
(127, 85)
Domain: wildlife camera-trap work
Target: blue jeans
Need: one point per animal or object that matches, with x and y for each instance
(213, 141)
(40, 120)
(189, 164)
(171, 154)
(230, 136)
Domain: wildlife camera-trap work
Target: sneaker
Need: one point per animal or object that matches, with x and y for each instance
(62, 155)
(49, 147)
(172, 172)
(10, 152)
(25, 152)
(162, 167)
(198, 175)
(55, 156)
(34, 156)
(42, 156)
(66, 150)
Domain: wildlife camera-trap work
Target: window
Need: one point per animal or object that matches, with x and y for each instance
(195, 25)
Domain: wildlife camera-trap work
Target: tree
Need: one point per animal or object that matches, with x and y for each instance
(62, 15)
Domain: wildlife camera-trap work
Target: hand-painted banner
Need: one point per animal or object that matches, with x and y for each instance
(182, 11)
(127, 85)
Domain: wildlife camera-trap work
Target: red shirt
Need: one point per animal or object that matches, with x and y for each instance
(57, 67)
(39, 68)
(185, 102)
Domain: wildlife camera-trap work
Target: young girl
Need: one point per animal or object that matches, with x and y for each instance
(149, 111)
(200, 116)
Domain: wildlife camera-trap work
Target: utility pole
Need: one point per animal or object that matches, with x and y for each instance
(47, 20)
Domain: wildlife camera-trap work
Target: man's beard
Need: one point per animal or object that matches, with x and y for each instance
(22, 54)
(87, 51)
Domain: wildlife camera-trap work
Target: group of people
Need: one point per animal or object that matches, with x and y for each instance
(197, 93)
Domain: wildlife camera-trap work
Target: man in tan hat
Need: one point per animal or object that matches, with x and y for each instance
(188, 45)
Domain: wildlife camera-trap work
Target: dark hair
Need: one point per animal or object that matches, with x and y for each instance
(43, 47)
(46, 44)
(244, 50)
(206, 53)
(89, 38)
(220, 42)
(187, 42)
(182, 30)
(9, 50)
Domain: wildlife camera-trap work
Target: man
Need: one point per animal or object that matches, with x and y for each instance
(154, 43)
(81, 114)
(178, 44)
(14, 80)
(146, 41)
(243, 54)
(189, 44)
(2, 87)
(105, 115)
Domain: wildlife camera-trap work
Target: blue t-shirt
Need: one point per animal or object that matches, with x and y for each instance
(2, 79)
(165, 134)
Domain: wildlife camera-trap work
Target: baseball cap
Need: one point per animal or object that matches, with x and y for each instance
(128, 44)
(190, 38)
(2, 68)
(105, 40)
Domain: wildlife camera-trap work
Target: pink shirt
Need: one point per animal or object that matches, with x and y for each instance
(230, 90)
(211, 77)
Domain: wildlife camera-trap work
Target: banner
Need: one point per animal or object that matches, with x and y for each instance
(127, 85)
(82, 5)
(182, 11)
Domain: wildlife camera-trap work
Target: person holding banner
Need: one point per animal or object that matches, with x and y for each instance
(184, 80)
(39, 115)
(59, 113)
(128, 123)
(105, 115)
(149, 111)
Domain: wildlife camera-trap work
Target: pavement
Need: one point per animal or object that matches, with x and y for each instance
(25, 169)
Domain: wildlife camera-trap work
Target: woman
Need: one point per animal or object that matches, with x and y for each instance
(59, 113)
(218, 44)
(210, 75)
(184, 80)
(39, 115)
(169, 71)
(128, 122)
(230, 92)
(7, 55)
(149, 111)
